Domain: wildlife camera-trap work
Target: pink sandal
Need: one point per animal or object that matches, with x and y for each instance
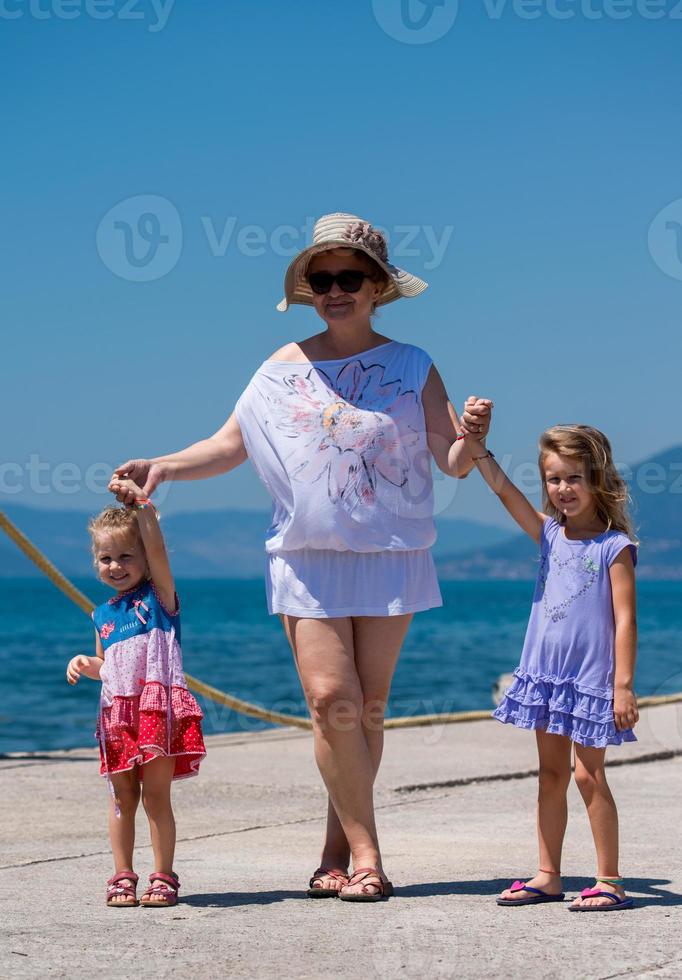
(360, 877)
(115, 888)
(167, 888)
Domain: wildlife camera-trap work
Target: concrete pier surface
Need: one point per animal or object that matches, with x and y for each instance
(456, 812)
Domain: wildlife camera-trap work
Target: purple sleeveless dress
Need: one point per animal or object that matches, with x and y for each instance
(564, 683)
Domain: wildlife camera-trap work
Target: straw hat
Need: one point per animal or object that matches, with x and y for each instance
(347, 231)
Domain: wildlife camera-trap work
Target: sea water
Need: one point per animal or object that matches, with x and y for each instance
(450, 660)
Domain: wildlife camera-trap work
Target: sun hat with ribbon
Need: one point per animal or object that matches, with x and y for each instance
(347, 231)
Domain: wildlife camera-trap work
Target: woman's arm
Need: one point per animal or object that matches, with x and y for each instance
(452, 456)
(154, 545)
(220, 453)
(622, 574)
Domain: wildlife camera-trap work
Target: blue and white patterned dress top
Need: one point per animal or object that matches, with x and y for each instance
(146, 709)
(564, 683)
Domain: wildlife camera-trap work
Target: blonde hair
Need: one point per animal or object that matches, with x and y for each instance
(114, 520)
(605, 483)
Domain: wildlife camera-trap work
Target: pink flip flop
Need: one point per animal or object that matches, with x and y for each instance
(616, 901)
(539, 897)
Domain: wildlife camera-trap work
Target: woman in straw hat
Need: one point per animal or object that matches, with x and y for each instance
(341, 429)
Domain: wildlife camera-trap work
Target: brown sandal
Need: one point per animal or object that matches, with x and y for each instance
(320, 892)
(385, 887)
(166, 888)
(115, 888)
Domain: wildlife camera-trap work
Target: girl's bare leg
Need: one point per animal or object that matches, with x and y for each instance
(555, 775)
(590, 778)
(156, 799)
(126, 787)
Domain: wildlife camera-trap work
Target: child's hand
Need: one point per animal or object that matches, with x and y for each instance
(76, 666)
(124, 489)
(625, 711)
(476, 418)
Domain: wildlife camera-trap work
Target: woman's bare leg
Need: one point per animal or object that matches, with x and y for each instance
(346, 668)
(555, 775)
(378, 641)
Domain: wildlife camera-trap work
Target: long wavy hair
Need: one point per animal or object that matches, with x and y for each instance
(609, 489)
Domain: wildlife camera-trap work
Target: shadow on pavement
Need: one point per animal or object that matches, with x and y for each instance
(645, 891)
(228, 899)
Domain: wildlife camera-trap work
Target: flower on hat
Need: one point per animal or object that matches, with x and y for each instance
(362, 233)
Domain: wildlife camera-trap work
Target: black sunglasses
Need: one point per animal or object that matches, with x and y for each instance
(349, 280)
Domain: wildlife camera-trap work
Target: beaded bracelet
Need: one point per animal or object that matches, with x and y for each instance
(143, 503)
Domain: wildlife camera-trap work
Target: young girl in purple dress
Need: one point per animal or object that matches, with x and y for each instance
(149, 725)
(574, 684)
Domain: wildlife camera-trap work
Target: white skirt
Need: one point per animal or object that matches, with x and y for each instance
(318, 584)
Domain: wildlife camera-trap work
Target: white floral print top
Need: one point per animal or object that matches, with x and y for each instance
(341, 447)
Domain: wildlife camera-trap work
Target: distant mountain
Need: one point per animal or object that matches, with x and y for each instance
(656, 491)
(207, 544)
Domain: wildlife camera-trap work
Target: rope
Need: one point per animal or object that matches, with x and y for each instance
(236, 704)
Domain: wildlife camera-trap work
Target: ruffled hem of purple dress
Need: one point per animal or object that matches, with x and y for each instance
(559, 707)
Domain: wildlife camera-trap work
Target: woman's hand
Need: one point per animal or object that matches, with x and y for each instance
(145, 473)
(125, 490)
(625, 710)
(476, 417)
(77, 665)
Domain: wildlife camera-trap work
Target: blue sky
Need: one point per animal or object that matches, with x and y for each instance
(537, 152)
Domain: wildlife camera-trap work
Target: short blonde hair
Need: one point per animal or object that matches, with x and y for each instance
(608, 487)
(113, 520)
